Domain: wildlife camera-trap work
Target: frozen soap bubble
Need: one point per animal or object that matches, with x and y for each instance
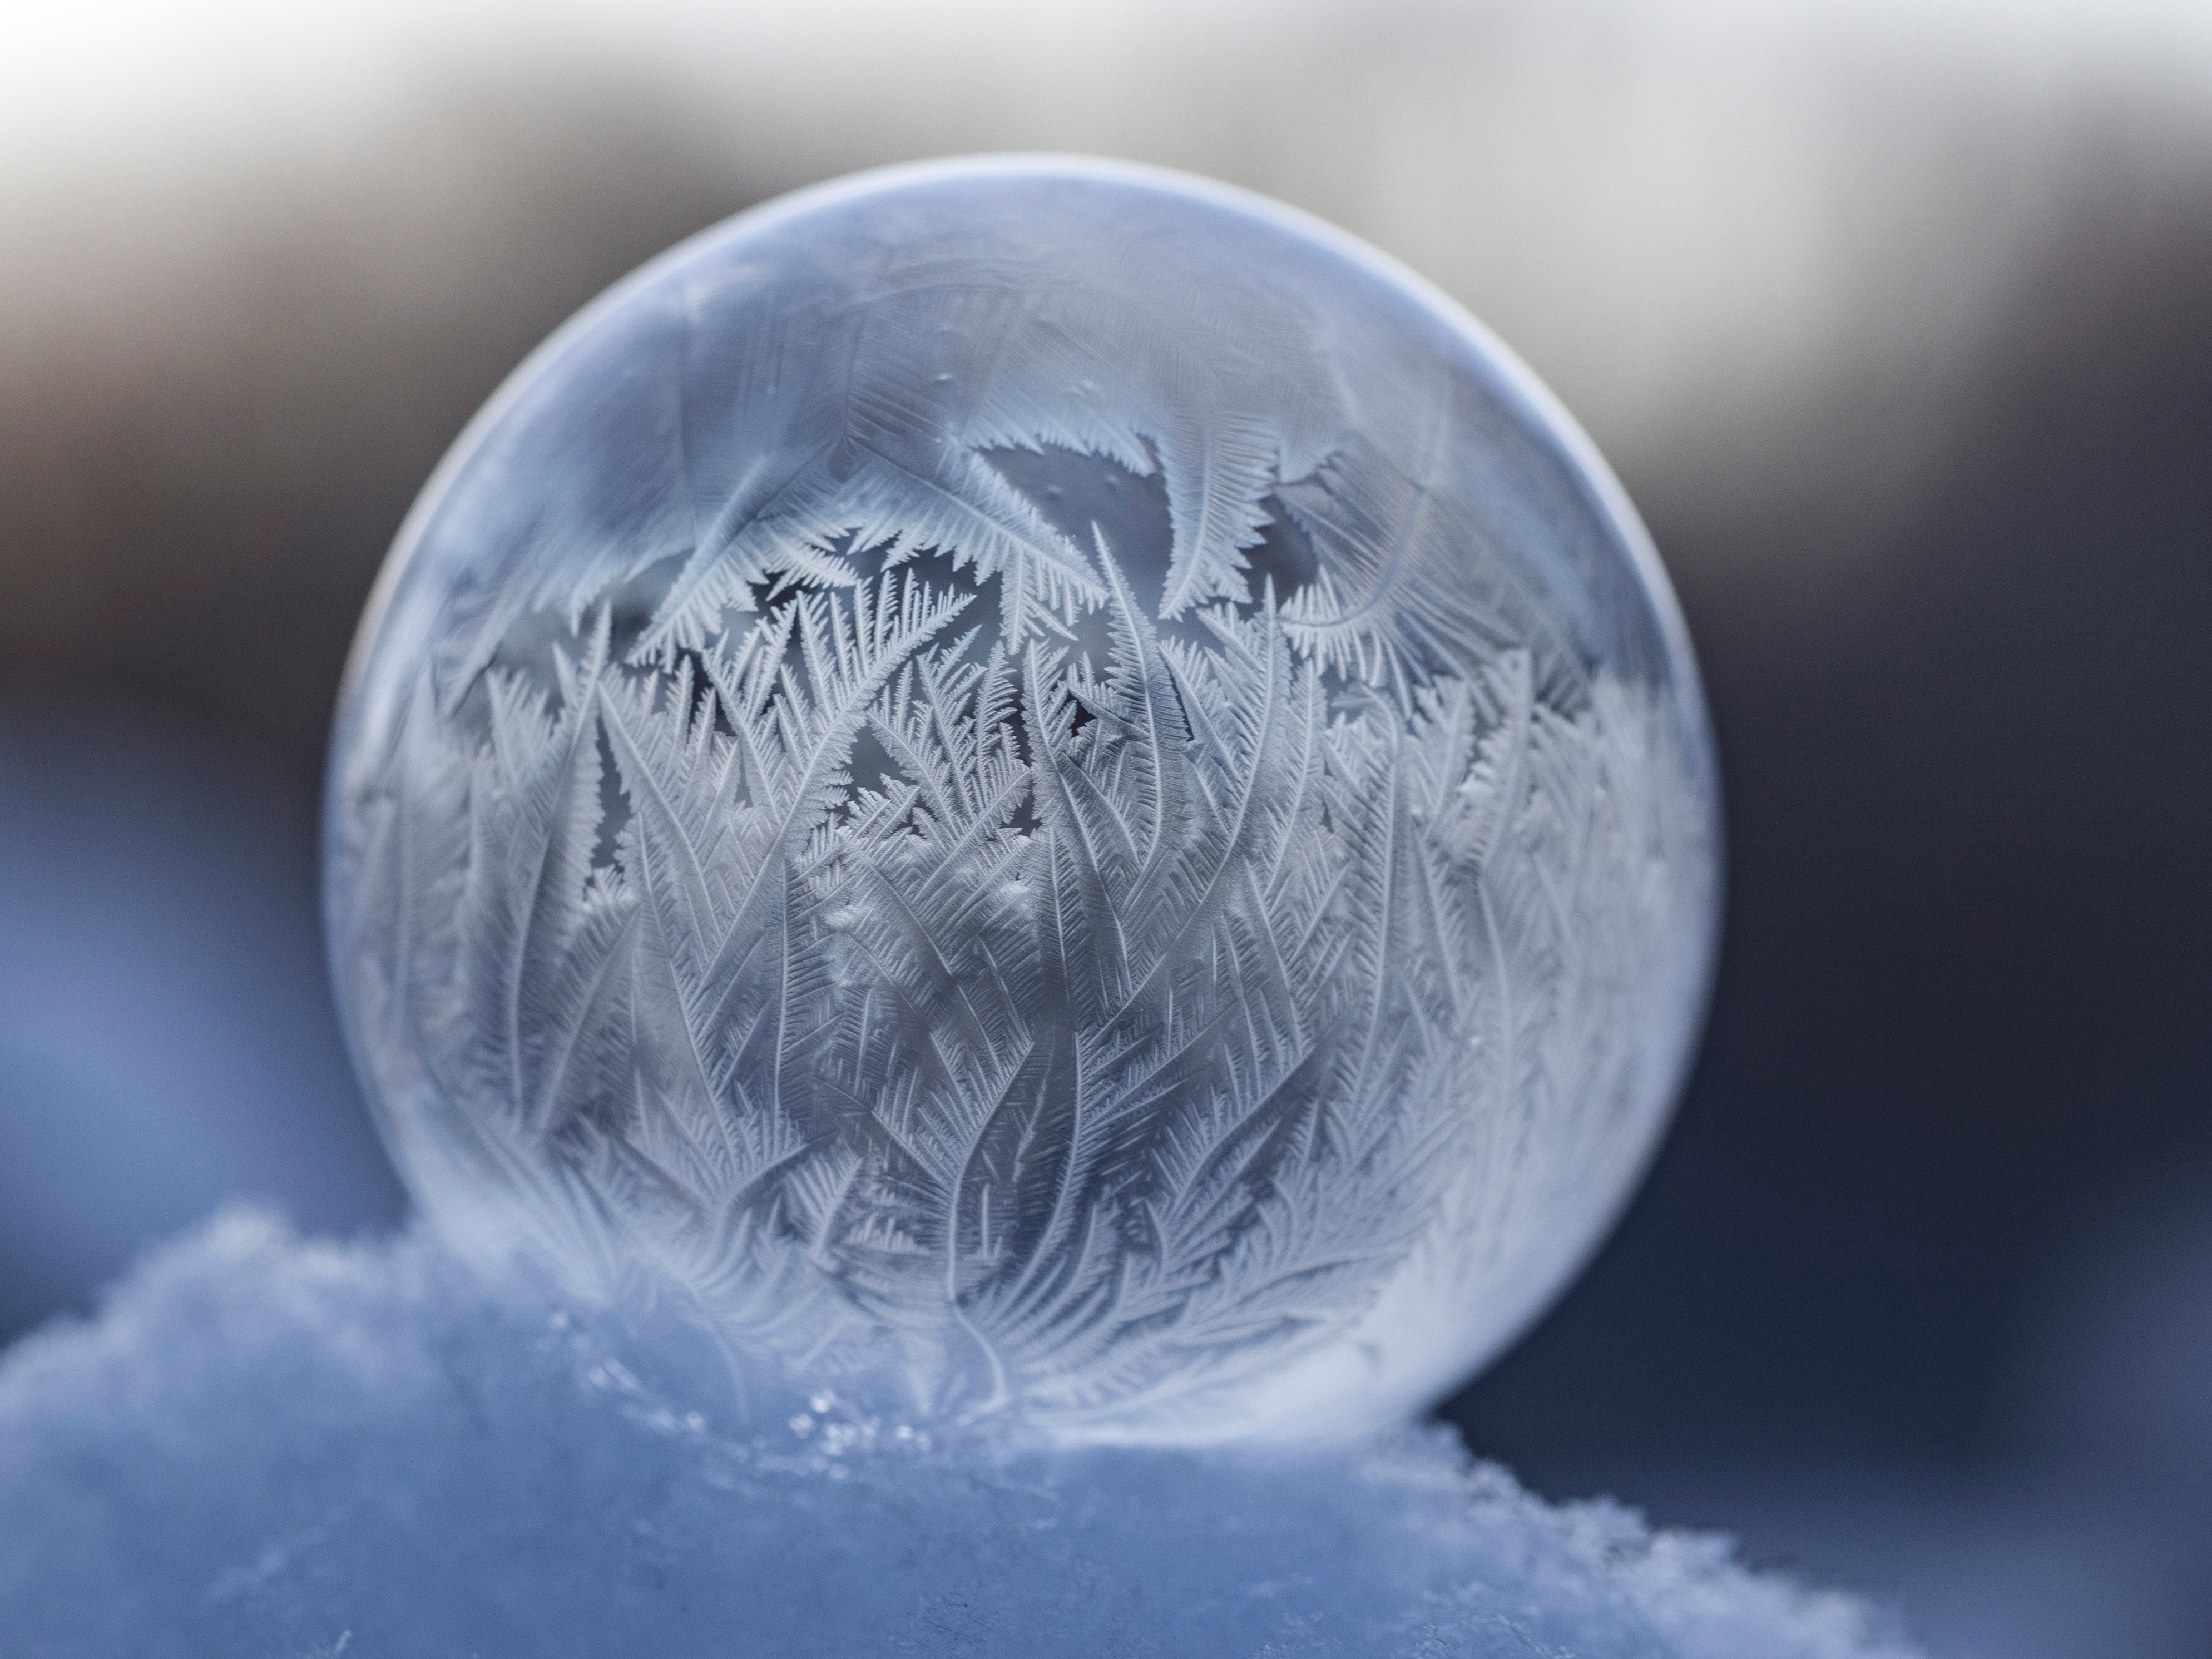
(1041, 782)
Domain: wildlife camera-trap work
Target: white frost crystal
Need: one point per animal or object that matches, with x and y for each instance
(1040, 780)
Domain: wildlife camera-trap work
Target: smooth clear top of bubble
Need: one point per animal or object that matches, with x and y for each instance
(1038, 784)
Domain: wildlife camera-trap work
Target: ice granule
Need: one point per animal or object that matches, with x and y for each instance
(270, 1446)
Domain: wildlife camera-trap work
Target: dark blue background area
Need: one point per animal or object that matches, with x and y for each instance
(1964, 1002)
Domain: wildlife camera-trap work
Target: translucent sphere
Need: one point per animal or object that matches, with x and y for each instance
(1037, 781)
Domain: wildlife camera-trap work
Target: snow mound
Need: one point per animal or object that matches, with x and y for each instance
(265, 1446)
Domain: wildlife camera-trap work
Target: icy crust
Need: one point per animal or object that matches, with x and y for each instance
(268, 1447)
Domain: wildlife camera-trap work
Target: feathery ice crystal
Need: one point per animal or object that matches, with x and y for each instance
(1037, 779)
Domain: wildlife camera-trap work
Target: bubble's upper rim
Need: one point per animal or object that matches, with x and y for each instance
(1517, 381)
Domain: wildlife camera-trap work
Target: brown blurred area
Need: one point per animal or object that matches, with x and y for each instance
(209, 438)
(1897, 323)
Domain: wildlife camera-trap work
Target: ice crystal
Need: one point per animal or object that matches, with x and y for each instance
(1037, 779)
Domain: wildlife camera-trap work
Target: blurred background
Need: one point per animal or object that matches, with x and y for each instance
(1896, 320)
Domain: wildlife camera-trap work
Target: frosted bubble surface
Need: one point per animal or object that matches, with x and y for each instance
(1041, 787)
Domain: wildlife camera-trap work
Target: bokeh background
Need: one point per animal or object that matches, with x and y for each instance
(1896, 319)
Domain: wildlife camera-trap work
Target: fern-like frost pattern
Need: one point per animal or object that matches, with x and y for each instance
(1038, 784)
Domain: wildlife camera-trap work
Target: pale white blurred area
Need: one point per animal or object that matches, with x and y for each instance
(1737, 238)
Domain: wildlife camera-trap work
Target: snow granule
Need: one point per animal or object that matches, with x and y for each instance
(264, 1446)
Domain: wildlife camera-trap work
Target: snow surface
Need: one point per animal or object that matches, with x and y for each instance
(265, 1446)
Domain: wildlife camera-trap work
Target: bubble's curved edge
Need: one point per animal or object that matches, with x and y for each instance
(1515, 381)
(1541, 407)
(1543, 411)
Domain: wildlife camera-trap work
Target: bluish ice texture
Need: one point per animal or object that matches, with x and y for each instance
(1039, 782)
(270, 1450)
